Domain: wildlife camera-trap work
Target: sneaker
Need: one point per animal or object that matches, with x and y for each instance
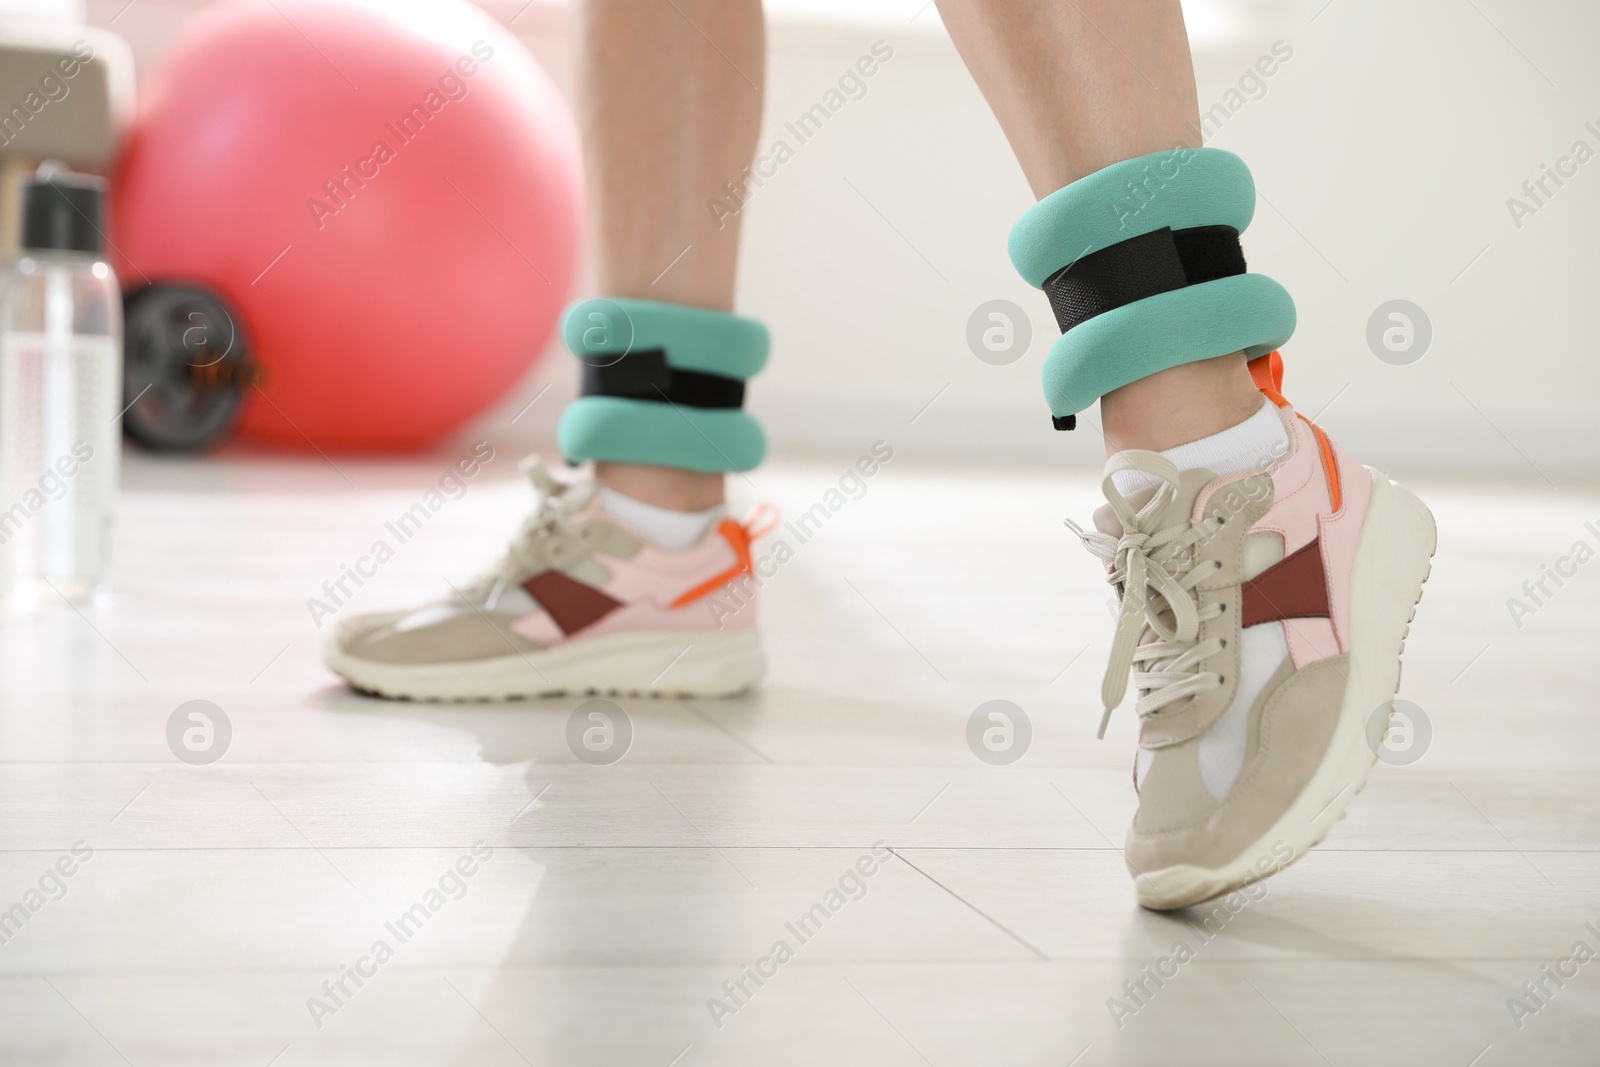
(580, 603)
(1262, 615)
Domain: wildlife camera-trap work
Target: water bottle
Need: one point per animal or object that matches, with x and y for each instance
(60, 392)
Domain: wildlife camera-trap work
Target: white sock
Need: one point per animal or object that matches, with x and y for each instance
(1253, 443)
(662, 527)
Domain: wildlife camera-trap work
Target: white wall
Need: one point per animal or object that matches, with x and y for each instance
(1384, 151)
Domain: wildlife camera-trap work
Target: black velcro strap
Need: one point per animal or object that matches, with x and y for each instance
(643, 374)
(1140, 267)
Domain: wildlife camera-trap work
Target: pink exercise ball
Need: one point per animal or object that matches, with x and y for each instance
(385, 196)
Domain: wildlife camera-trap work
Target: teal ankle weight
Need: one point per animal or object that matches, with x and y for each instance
(663, 384)
(1142, 265)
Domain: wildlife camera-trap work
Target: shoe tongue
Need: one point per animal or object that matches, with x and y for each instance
(572, 492)
(1180, 510)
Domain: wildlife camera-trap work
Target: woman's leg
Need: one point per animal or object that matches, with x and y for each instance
(1266, 580)
(647, 577)
(1078, 86)
(670, 105)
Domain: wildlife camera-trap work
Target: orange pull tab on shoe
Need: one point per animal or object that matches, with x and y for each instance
(739, 536)
(769, 512)
(1267, 372)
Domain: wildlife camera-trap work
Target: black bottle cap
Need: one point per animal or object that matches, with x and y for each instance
(62, 211)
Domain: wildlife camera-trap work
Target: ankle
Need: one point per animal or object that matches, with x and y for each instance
(1180, 404)
(663, 487)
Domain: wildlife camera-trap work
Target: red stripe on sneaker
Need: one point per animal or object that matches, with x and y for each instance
(571, 604)
(1296, 587)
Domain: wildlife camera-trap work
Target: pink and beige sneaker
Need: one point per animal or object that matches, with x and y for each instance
(579, 604)
(1263, 616)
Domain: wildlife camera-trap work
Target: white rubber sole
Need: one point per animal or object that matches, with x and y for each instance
(662, 664)
(1393, 558)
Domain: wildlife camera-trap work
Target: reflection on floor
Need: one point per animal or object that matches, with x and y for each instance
(364, 882)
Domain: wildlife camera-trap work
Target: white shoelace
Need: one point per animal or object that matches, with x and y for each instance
(1154, 571)
(528, 550)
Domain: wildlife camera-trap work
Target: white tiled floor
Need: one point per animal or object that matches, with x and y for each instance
(618, 899)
